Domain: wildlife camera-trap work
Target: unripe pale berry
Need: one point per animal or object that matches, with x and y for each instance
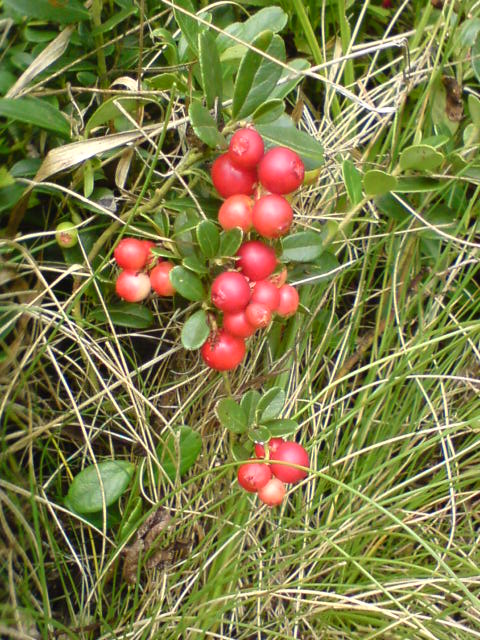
(272, 493)
(66, 235)
(132, 286)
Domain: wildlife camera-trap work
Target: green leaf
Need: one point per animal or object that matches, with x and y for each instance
(187, 284)
(259, 434)
(210, 68)
(205, 126)
(193, 263)
(474, 109)
(240, 452)
(109, 111)
(377, 183)
(469, 31)
(131, 519)
(188, 24)
(281, 427)
(6, 179)
(125, 314)
(284, 85)
(420, 157)
(65, 12)
(185, 223)
(283, 132)
(231, 415)
(304, 246)
(353, 181)
(195, 330)
(270, 405)
(417, 184)
(230, 242)
(208, 238)
(189, 447)
(272, 18)
(36, 112)
(312, 273)
(257, 76)
(475, 57)
(85, 494)
(269, 111)
(249, 404)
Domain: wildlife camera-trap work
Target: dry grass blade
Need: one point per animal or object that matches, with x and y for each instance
(49, 55)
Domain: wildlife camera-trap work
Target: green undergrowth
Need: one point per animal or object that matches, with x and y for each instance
(380, 370)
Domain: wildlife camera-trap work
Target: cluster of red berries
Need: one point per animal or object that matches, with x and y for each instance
(249, 297)
(141, 271)
(267, 479)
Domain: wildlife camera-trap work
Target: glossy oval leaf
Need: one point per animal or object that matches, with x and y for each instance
(231, 415)
(270, 405)
(210, 68)
(88, 491)
(205, 126)
(259, 434)
(208, 238)
(187, 23)
(284, 133)
(281, 427)
(286, 82)
(420, 157)
(474, 109)
(272, 18)
(269, 111)
(230, 242)
(353, 181)
(187, 284)
(66, 12)
(377, 183)
(304, 246)
(193, 263)
(257, 76)
(124, 314)
(179, 452)
(195, 330)
(249, 403)
(36, 112)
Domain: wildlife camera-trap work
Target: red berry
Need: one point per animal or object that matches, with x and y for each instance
(256, 260)
(289, 300)
(130, 254)
(222, 351)
(281, 170)
(230, 180)
(132, 286)
(230, 291)
(237, 324)
(272, 493)
(246, 148)
(160, 279)
(272, 216)
(295, 454)
(280, 278)
(265, 292)
(252, 475)
(148, 245)
(258, 315)
(272, 447)
(236, 211)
